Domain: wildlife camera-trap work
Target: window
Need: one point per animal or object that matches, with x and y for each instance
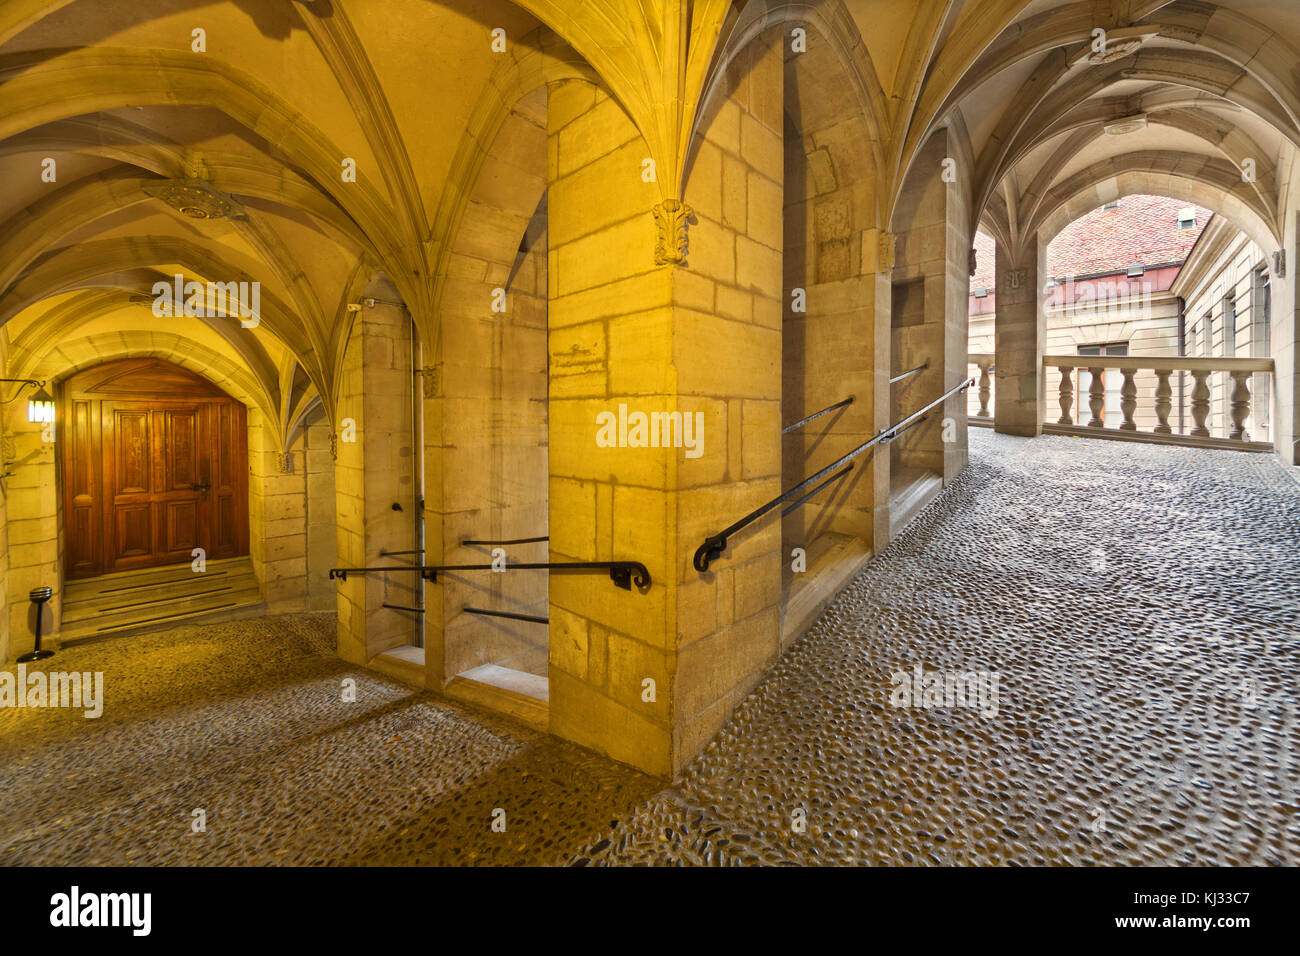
(1229, 326)
(1110, 205)
(1186, 217)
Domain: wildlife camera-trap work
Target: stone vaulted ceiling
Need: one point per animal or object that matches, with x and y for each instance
(228, 162)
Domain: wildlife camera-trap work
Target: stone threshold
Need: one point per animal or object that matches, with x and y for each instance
(821, 584)
(511, 693)
(404, 663)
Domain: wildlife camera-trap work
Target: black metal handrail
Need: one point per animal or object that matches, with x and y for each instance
(900, 431)
(829, 481)
(816, 415)
(470, 541)
(714, 545)
(532, 618)
(623, 573)
(911, 371)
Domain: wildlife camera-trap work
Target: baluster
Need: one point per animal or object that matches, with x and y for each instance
(984, 390)
(1240, 410)
(1164, 402)
(1097, 398)
(1200, 403)
(1067, 396)
(1128, 399)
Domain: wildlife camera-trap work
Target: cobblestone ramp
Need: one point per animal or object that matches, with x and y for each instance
(1139, 605)
(1141, 608)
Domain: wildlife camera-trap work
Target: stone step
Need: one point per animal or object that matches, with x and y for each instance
(161, 614)
(159, 595)
(833, 560)
(522, 696)
(404, 663)
(86, 597)
(911, 489)
(151, 598)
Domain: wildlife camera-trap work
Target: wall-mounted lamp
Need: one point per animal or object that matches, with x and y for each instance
(40, 407)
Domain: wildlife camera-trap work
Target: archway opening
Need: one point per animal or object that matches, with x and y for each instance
(153, 497)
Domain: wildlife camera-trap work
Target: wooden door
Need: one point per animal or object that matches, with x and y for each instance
(154, 465)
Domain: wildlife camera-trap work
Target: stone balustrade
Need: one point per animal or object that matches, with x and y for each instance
(979, 402)
(1208, 402)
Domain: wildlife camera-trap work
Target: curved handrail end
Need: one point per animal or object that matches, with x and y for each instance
(712, 548)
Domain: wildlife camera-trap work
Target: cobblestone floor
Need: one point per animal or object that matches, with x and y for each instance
(1139, 606)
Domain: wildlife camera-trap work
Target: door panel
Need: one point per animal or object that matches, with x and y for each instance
(154, 464)
(229, 493)
(133, 451)
(134, 535)
(182, 526)
(81, 489)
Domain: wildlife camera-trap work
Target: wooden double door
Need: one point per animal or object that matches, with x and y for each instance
(154, 462)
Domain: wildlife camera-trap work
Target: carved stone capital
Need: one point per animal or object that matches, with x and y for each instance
(1279, 263)
(334, 446)
(671, 218)
(973, 262)
(886, 249)
(431, 376)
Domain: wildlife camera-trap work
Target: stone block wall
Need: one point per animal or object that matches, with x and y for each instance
(930, 304)
(321, 544)
(32, 549)
(607, 298)
(291, 516)
(486, 410)
(831, 347)
(728, 364)
(373, 473)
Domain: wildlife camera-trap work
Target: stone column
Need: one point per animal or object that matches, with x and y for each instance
(1020, 335)
(699, 339)
(1284, 336)
(372, 473)
(931, 295)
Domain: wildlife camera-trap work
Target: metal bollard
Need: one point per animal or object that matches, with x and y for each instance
(38, 597)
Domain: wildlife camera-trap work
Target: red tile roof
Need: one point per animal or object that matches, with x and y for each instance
(984, 252)
(1144, 229)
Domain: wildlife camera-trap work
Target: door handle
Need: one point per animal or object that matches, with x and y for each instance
(203, 491)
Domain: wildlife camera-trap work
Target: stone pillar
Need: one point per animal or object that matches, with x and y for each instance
(931, 289)
(321, 538)
(1020, 335)
(372, 473)
(835, 338)
(276, 517)
(1284, 337)
(699, 341)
